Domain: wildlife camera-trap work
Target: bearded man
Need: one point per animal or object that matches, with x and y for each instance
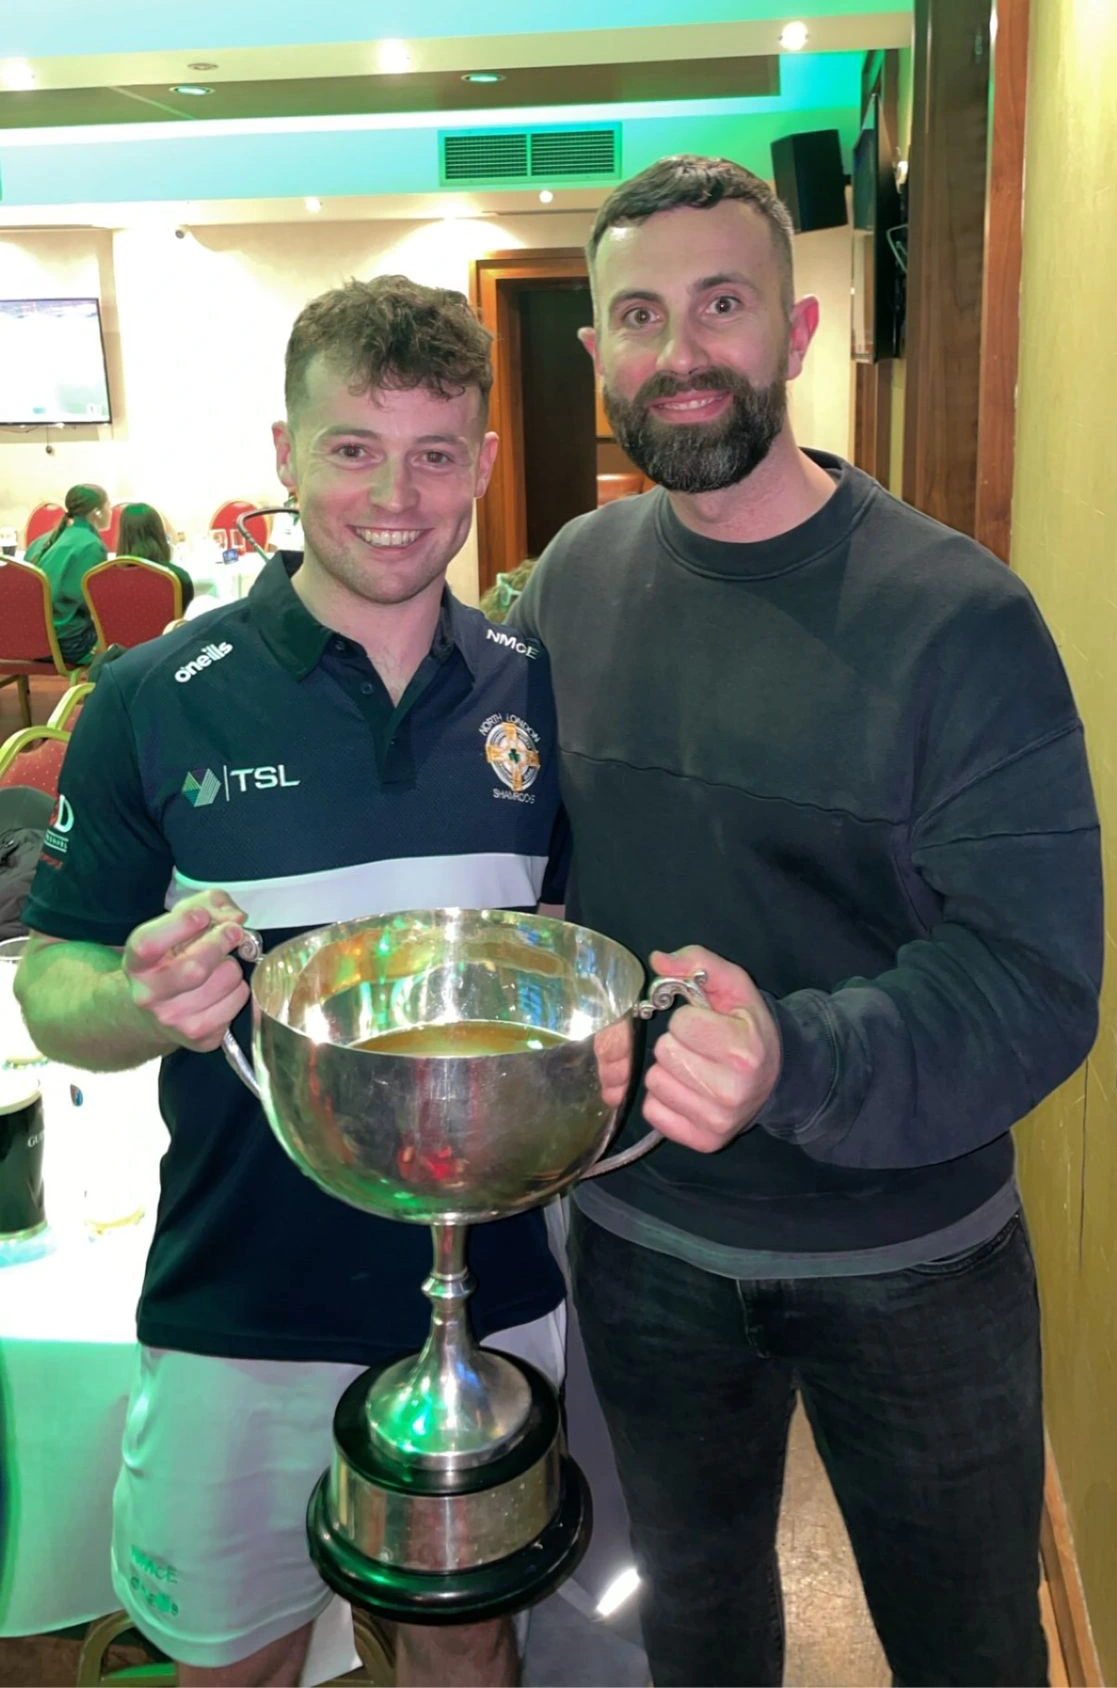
(824, 748)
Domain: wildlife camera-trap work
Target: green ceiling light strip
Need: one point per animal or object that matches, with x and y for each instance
(74, 27)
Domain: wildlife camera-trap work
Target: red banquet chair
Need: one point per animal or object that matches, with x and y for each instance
(224, 522)
(42, 519)
(33, 756)
(68, 707)
(28, 642)
(131, 600)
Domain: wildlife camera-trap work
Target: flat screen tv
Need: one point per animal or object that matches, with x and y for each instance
(878, 283)
(52, 363)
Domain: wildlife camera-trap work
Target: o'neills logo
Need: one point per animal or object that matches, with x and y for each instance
(208, 655)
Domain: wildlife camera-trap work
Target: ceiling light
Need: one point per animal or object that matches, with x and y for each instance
(17, 76)
(195, 89)
(793, 37)
(545, 196)
(202, 64)
(393, 57)
(483, 76)
(312, 204)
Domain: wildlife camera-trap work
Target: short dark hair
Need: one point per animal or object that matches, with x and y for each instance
(688, 180)
(392, 332)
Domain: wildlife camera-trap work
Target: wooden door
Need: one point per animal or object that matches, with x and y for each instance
(557, 406)
(497, 284)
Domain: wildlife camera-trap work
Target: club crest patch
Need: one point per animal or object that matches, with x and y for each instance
(512, 752)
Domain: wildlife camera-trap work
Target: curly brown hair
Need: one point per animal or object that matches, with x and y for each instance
(392, 332)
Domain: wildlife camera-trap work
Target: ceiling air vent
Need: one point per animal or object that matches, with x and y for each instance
(491, 156)
(496, 156)
(574, 152)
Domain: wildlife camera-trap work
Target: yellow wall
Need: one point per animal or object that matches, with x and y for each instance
(195, 331)
(1065, 546)
(818, 399)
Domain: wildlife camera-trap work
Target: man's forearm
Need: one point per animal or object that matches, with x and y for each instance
(79, 1010)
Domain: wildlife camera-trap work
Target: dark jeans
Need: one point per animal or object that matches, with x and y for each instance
(923, 1391)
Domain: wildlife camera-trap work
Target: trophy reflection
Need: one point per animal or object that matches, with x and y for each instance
(448, 1067)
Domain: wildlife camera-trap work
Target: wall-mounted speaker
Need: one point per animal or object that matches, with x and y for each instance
(807, 170)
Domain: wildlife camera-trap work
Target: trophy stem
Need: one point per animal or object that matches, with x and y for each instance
(448, 1288)
(449, 1355)
(453, 1404)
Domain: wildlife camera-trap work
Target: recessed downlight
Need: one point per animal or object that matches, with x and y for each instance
(202, 64)
(545, 196)
(313, 204)
(17, 76)
(194, 89)
(794, 36)
(393, 57)
(483, 76)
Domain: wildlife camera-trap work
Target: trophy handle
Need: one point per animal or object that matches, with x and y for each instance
(661, 994)
(250, 949)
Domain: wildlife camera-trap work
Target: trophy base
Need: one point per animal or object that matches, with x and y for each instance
(429, 1547)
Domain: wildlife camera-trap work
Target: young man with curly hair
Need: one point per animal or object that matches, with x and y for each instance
(313, 753)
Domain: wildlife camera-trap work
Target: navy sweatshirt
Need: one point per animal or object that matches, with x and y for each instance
(847, 759)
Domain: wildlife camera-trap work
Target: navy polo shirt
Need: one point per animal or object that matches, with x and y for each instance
(255, 750)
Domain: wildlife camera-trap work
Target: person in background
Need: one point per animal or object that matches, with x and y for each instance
(824, 748)
(355, 686)
(505, 589)
(142, 534)
(66, 555)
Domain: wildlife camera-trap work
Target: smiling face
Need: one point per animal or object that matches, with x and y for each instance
(694, 343)
(386, 481)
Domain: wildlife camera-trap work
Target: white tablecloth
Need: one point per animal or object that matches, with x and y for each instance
(67, 1346)
(216, 582)
(67, 1354)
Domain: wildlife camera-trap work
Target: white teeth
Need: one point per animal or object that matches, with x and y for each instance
(689, 404)
(390, 537)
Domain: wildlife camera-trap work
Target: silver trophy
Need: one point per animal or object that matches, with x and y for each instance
(446, 1067)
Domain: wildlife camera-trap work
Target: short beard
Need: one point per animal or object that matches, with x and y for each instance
(703, 456)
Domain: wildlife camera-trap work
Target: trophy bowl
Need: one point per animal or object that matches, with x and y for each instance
(448, 1067)
(444, 1065)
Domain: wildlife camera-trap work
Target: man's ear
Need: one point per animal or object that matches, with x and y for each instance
(486, 458)
(588, 337)
(801, 331)
(284, 455)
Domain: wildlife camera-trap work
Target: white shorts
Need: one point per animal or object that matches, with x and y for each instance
(209, 1552)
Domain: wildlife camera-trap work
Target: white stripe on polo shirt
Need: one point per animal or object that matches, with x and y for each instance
(483, 880)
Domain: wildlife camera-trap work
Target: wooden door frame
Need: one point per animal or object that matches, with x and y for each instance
(1000, 310)
(494, 282)
(947, 257)
(965, 201)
